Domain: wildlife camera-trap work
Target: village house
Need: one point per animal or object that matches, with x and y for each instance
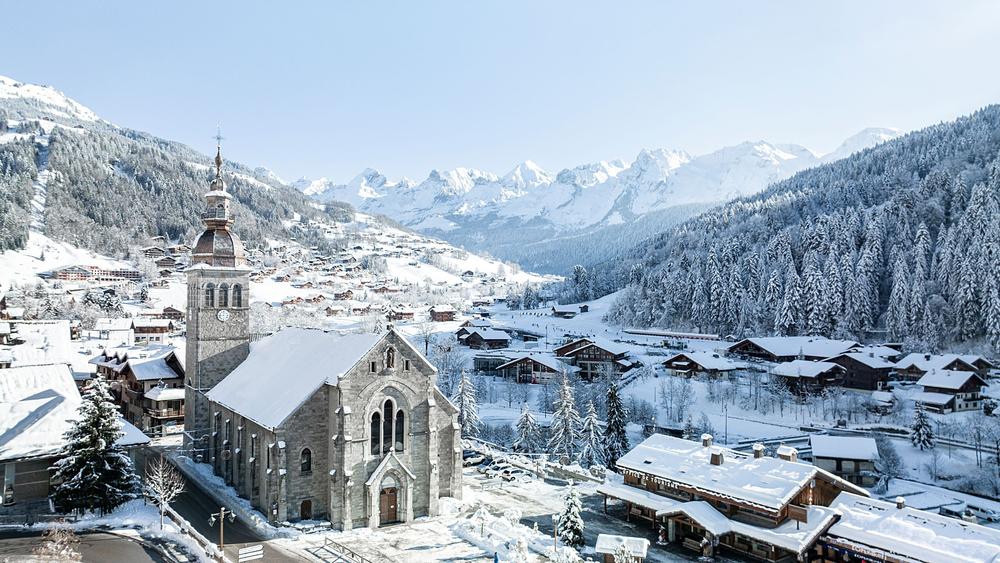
(33, 343)
(804, 376)
(345, 295)
(442, 313)
(153, 252)
(947, 391)
(134, 372)
(863, 370)
(849, 457)
(597, 358)
(564, 312)
(788, 348)
(486, 363)
(913, 366)
(688, 364)
(874, 530)
(571, 345)
(151, 331)
(485, 339)
(401, 314)
(38, 405)
(707, 498)
(118, 332)
(535, 368)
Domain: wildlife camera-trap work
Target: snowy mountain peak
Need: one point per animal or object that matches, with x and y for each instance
(527, 175)
(48, 99)
(862, 140)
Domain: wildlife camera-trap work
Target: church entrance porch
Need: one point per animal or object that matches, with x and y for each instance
(306, 510)
(388, 503)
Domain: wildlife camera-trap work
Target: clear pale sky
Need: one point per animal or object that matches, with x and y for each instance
(328, 88)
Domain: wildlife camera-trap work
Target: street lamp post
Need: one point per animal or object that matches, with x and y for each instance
(222, 515)
(555, 534)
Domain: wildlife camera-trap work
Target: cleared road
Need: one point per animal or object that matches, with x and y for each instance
(97, 547)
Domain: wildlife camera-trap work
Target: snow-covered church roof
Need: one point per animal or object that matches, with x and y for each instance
(285, 369)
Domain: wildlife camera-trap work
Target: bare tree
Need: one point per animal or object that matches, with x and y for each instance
(425, 331)
(163, 484)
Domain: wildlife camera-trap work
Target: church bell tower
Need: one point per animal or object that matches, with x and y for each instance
(218, 309)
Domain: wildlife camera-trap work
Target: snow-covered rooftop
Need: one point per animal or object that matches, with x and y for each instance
(911, 533)
(803, 368)
(165, 394)
(844, 447)
(38, 404)
(547, 360)
(609, 543)
(708, 360)
(869, 359)
(928, 362)
(490, 334)
(947, 379)
(812, 346)
(285, 369)
(767, 481)
(44, 342)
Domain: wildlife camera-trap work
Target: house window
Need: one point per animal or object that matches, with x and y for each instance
(306, 462)
(376, 429)
(406, 365)
(399, 430)
(224, 295)
(210, 295)
(237, 295)
(387, 425)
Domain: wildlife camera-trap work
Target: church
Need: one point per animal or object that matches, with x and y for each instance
(308, 424)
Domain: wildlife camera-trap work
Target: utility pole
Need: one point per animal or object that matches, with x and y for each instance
(222, 515)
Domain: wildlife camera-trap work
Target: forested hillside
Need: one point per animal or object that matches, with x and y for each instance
(901, 241)
(106, 188)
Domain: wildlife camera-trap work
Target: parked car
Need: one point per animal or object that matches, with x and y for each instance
(496, 469)
(987, 514)
(516, 474)
(472, 457)
(487, 464)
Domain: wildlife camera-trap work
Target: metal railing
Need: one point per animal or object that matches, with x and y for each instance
(345, 552)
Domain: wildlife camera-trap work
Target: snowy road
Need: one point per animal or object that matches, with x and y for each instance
(95, 548)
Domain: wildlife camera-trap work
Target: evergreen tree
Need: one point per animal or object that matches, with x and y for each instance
(591, 447)
(570, 524)
(922, 435)
(95, 474)
(529, 435)
(468, 407)
(615, 434)
(565, 428)
(690, 432)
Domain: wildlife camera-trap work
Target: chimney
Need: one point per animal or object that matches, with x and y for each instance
(758, 450)
(788, 453)
(900, 503)
(716, 458)
(706, 440)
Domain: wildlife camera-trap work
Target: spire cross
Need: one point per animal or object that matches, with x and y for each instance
(218, 152)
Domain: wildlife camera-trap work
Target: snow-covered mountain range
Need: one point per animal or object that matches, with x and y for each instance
(466, 204)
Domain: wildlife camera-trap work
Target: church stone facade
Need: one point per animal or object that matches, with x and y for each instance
(306, 424)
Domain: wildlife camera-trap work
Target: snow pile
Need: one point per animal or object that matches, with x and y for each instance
(504, 535)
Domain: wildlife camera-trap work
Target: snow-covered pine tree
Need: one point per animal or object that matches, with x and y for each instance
(591, 440)
(528, 433)
(922, 435)
(570, 524)
(468, 406)
(623, 554)
(689, 432)
(565, 428)
(94, 474)
(615, 434)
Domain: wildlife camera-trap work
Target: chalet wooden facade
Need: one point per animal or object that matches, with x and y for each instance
(134, 372)
(598, 358)
(442, 314)
(947, 391)
(913, 366)
(788, 348)
(864, 371)
(808, 377)
(708, 498)
(485, 339)
(687, 364)
(534, 368)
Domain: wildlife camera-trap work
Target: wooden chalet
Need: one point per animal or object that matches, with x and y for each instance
(913, 366)
(688, 364)
(485, 339)
(804, 376)
(488, 362)
(345, 295)
(534, 368)
(598, 358)
(864, 370)
(564, 312)
(571, 345)
(788, 348)
(442, 313)
(947, 391)
(851, 458)
(135, 371)
(708, 498)
(152, 331)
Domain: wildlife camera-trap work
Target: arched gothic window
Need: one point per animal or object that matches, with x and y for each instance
(376, 430)
(306, 461)
(237, 296)
(390, 357)
(399, 430)
(224, 295)
(210, 295)
(387, 425)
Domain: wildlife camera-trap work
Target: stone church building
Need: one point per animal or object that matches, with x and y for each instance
(308, 424)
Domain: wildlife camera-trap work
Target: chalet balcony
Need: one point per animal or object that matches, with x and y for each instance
(164, 413)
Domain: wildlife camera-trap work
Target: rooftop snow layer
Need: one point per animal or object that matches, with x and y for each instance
(916, 534)
(946, 378)
(844, 447)
(803, 368)
(285, 369)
